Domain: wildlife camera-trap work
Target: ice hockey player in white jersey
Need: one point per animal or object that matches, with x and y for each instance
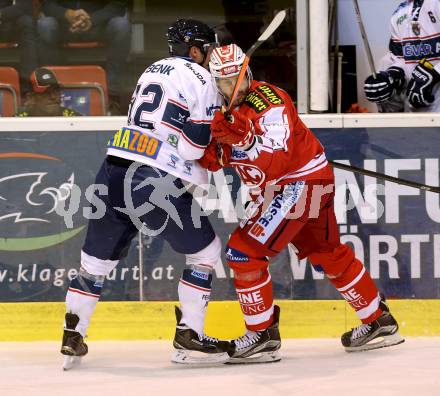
(151, 158)
(412, 65)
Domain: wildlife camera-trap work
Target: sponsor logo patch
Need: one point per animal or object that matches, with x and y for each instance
(135, 142)
(200, 275)
(270, 94)
(173, 140)
(236, 256)
(272, 217)
(256, 101)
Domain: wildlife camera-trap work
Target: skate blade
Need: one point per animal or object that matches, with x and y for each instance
(184, 356)
(380, 342)
(70, 362)
(262, 357)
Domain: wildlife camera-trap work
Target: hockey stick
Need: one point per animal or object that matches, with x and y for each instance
(363, 171)
(381, 107)
(273, 25)
(276, 22)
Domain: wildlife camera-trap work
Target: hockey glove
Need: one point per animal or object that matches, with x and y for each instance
(385, 85)
(423, 79)
(232, 129)
(216, 156)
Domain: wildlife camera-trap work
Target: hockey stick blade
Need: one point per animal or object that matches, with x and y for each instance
(273, 25)
(381, 176)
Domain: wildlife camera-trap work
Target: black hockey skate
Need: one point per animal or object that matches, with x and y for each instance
(193, 348)
(381, 333)
(73, 346)
(259, 347)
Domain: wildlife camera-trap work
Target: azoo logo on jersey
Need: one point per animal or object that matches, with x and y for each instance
(135, 142)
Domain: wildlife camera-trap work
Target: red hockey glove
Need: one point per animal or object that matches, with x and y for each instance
(216, 156)
(232, 129)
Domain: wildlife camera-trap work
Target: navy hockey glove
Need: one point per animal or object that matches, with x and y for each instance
(423, 79)
(385, 85)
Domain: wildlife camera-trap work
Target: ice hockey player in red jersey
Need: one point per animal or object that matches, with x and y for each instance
(292, 187)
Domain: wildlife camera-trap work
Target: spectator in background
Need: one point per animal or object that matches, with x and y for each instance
(88, 20)
(409, 76)
(45, 100)
(17, 25)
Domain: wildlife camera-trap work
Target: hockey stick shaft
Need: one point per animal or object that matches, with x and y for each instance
(274, 24)
(392, 179)
(381, 107)
(364, 38)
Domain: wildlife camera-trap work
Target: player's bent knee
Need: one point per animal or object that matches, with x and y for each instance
(206, 257)
(95, 266)
(249, 276)
(333, 263)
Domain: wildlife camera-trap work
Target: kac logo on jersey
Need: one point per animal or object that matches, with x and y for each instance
(250, 174)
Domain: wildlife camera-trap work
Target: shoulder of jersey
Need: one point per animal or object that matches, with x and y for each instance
(191, 71)
(400, 7)
(263, 95)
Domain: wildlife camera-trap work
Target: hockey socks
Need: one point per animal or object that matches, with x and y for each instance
(82, 296)
(256, 300)
(360, 291)
(194, 292)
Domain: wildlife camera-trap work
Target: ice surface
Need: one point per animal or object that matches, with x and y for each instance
(309, 367)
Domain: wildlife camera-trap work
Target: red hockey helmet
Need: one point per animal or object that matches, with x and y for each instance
(226, 63)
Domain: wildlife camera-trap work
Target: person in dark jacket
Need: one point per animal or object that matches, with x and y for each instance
(87, 20)
(16, 25)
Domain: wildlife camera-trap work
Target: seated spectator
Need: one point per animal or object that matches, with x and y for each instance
(45, 100)
(16, 25)
(88, 20)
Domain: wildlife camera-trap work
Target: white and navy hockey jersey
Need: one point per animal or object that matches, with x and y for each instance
(415, 34)
(169, 119)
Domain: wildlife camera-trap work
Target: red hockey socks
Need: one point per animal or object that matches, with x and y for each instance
(256, 299)
(359, 290)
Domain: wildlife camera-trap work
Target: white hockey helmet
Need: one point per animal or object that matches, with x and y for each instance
(226, 61)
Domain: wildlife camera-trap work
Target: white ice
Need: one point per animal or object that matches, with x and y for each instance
(309, 367)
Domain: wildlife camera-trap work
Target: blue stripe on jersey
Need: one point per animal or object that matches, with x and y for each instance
(86, 285)
(198, 134)
(197, 278)
(175, 115)
(414, 50)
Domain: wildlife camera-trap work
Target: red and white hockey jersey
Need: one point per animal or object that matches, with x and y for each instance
(286, 149)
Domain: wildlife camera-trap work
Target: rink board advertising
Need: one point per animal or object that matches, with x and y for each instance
(394, 229)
